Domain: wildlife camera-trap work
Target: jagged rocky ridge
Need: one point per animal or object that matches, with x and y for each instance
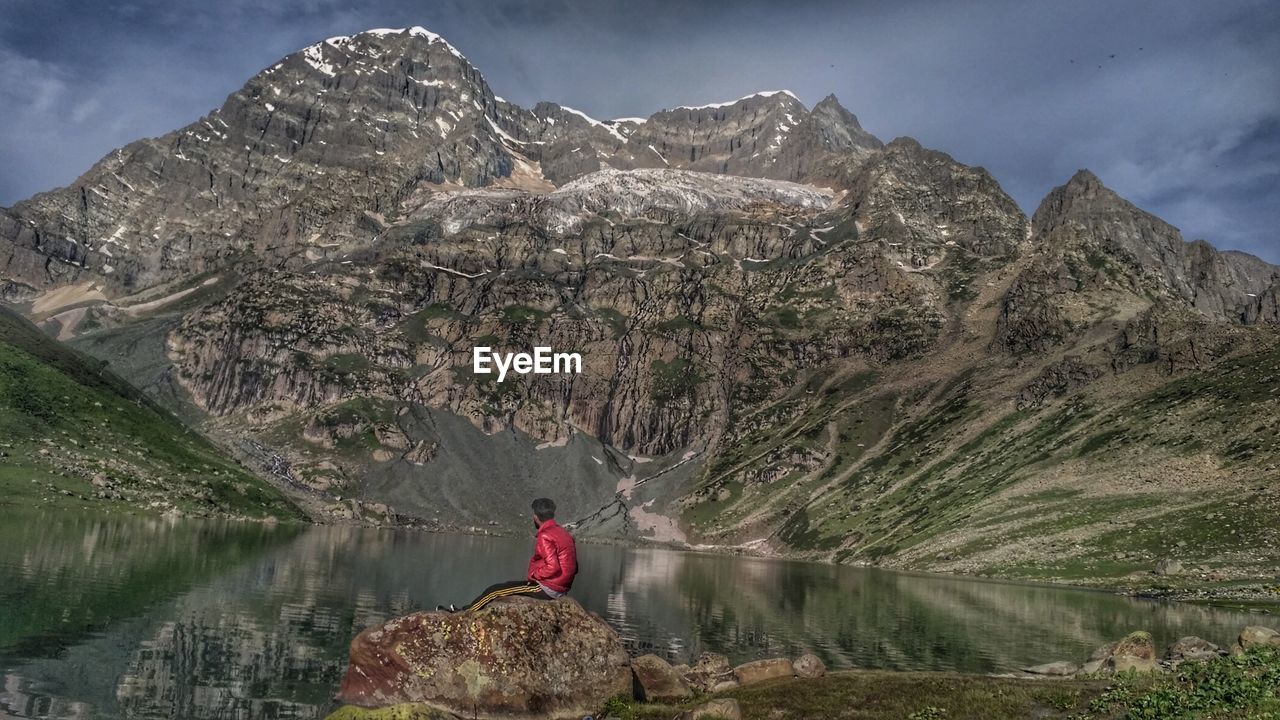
(353, 125)
(795, 337)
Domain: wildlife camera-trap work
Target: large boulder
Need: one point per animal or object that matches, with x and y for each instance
(1135, 653)
(763, 670)
(1255, 636)
(657, 681)
(513, 658)
(1191, 649)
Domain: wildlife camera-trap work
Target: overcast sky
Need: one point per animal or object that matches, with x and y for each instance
(1176, 105)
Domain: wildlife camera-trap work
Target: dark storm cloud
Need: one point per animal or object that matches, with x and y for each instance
(1176, 105)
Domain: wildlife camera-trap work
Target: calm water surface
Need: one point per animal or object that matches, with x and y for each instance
(110, 617)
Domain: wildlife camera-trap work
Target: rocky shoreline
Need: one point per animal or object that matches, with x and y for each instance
(539, 660)
(1136, 652)
(531, 659)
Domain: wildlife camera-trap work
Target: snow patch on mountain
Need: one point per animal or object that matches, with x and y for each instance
(727, 103)
(610, 128)
(415, 31)
(654, 193)
(314, 56)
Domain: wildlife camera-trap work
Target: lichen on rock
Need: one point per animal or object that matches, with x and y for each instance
(514, 658)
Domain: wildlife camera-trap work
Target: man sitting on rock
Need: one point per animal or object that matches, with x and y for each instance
(551, 570)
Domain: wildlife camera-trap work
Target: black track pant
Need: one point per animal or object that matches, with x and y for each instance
(523, 588)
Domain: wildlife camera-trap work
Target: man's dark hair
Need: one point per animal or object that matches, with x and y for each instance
(544, 509)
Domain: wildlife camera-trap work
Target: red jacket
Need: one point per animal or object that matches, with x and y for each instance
(555, 559)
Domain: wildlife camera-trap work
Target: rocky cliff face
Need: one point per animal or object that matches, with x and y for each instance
(793, 336)
(285, 165)
(1092, 243)
(310, 154)
(769, 134)
(678, 287)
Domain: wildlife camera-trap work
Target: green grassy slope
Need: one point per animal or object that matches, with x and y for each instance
(74, 434)
(949, 475)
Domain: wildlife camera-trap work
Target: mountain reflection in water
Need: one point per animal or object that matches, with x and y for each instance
(111, 617)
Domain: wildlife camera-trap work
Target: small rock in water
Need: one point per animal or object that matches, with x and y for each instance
(809, 666)
(763, 670)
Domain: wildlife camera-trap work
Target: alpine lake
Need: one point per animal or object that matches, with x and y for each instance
(115, 616)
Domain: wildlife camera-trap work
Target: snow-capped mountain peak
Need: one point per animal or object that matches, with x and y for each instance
(728, 103)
